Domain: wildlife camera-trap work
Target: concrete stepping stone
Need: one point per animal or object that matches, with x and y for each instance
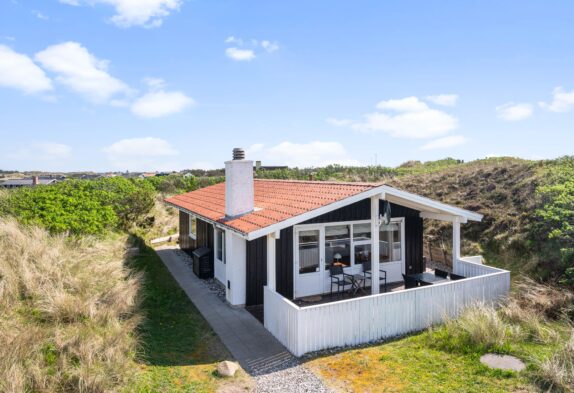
(502, 362)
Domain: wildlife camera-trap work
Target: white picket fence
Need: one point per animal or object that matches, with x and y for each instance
(370, 318)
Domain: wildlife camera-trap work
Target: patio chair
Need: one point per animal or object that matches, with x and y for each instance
(367, 272)
(410, 282)
(340, 278)
(424, 283)
(456, 277)
(440, 273)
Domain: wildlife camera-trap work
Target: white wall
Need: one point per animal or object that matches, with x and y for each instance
(235, 268)
(239, 192)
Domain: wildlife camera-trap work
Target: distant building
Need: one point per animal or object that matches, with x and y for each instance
(34, 181)
(259, 167)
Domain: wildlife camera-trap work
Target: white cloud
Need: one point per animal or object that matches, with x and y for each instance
(146, 153)
(443, 99)
(81, 71)
(408, 104)
(40, 15)
(255, 148)
(247, 50)
(404, 118)
(269, 46)
(312, 154)
(514, 112)
(240, 54)
(42, 151)
(146, 13)
(562, 101)
(233, 40)
(339, 122)
(154, 83)
(18, 71)
(135, 147)
(161, 103)
(444, 143)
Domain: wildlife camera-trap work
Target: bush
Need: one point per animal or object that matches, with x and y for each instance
(67, 312)
(82, 206)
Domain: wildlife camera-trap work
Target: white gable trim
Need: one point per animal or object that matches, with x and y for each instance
(426, 204)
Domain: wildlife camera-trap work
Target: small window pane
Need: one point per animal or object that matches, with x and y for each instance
(362, 253)
(337, 246)
(361, 232)
(192, 226)
(220, 247)
(308, 251)
(390, 242)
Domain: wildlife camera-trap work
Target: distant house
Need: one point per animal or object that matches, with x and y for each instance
(34, 181)
(260, 167)
(330, 264)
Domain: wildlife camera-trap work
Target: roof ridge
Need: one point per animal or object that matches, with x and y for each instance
(333, 182)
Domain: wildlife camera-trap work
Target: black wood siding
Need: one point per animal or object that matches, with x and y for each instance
(256, 257)
(284, 263)
(204, 236)
(256, 270)
(186, 243)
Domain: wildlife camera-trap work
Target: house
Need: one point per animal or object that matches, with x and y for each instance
(274, 243)
(34, 181)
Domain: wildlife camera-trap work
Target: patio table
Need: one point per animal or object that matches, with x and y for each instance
(429, 278)
(358, 283)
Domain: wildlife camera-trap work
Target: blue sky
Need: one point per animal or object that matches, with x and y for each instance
(106, 85)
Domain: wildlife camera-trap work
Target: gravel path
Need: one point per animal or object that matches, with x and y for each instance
(293, 377)
(283, 373)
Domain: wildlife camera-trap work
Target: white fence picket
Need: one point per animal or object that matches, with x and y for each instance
(369, 318)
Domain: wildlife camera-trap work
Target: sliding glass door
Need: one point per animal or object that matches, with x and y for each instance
(309, 261)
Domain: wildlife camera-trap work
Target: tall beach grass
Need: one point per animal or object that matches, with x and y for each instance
(67, 312)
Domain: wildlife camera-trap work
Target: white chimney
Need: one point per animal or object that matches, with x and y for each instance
(239, 197)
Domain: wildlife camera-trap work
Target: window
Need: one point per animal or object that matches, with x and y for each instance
(309, 251)
(361, 232)
(192, 226)
(390, 242)
(220, 244)
(337, 246)
(362, 242)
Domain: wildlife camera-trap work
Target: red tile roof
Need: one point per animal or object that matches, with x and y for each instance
(275, 201)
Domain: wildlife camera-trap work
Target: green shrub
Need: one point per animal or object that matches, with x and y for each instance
(82, 206)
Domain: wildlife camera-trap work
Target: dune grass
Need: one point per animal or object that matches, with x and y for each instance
(531, 326)
(68, 310)
(179, 351)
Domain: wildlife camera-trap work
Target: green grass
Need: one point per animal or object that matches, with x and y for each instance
(179, 350)
(412, 365)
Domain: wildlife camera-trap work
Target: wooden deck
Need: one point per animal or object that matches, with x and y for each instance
(328, 298)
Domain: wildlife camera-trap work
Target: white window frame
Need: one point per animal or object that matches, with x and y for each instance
(401, 221)
(353, 243)
(216, 243)
(191, 234)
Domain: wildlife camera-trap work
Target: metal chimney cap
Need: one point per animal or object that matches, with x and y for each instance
(238, 153)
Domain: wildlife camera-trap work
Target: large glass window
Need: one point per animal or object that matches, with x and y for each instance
(337, 246)
(361, 232)
(362, 242)
(309, 251)
(192, 226)
(362, 253)
(220, 244)
(390, 242)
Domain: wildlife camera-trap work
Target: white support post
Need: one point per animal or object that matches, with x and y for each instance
(455, 240)
(375, 244)
(271, 261)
